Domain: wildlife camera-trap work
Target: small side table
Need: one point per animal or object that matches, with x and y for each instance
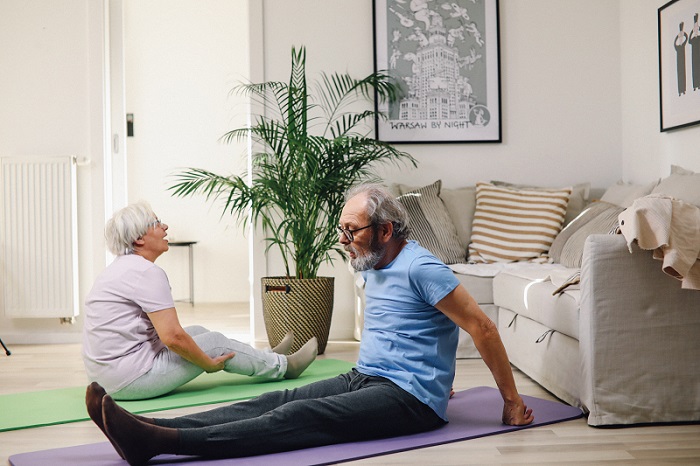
(188, 244)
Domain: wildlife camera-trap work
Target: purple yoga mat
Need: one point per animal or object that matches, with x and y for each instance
(473, 413)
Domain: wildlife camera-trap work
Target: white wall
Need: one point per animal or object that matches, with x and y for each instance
(560, 96)
(51, 103)
(53, 98)
(560, 68)
(648, 153)
(560, 86)
(182, 59)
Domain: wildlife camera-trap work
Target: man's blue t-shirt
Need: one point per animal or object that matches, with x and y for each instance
(405, 338)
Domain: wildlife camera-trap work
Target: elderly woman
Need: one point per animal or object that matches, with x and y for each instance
(133, 343)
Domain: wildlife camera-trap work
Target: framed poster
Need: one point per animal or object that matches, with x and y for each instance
(446, 57)
(679, 64)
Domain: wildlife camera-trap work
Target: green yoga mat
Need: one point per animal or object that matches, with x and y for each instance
(49, 407)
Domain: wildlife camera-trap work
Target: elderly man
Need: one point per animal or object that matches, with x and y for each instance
(402, 381)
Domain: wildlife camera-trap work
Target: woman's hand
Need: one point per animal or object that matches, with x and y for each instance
(172, 334)
(218, 363)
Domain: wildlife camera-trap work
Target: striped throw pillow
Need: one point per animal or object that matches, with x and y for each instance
(431, 224)
(515, 224)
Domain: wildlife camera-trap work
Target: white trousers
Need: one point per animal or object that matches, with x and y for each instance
(170, 370)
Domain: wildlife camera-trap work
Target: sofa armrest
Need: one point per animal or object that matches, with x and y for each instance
(638, 334)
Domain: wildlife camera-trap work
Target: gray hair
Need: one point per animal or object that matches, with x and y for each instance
(383, 207)
(126, 226)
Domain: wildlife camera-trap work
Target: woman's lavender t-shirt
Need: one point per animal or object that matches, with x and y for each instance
(119, 340)
(405, 338)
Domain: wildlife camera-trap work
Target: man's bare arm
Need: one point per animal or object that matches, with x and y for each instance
(463, 310)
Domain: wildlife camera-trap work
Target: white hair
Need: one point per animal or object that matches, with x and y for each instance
(126, 226)
(383, 207)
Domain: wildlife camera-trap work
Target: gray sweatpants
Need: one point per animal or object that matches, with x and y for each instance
(350, 407)
(170, 370)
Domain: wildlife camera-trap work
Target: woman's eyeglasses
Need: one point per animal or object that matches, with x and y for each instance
(155, 224)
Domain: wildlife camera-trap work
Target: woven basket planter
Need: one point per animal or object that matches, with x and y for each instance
(303, 306)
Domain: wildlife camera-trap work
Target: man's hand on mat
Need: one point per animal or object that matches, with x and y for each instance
(218, 363)
(515, 413)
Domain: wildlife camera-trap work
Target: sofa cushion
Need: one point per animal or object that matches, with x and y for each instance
(515, 224)
(682, 184)
(431, 224)
(480, 286)
(623, 194)
(460, 204)
(580, 195)
(599, 218)
(527, 290)
(554, 362)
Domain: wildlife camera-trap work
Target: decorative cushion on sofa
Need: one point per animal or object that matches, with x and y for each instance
(580, 194)
(682, 184)
(599, 218)
(460, 204)
(623, 194)
(431, 224)
(515, 224)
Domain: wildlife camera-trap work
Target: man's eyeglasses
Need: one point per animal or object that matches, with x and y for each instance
(349, 233)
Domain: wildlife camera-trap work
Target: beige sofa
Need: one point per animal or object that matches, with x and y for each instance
(623, 343)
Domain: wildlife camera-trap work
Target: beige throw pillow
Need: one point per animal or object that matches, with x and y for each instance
(682, 184)
(599, 218)
(515, 224)
(460, 204)
(623, 194)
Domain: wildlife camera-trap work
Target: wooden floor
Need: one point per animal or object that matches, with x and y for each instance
(41, 367)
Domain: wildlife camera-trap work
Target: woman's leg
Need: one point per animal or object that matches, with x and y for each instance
(193, 330)
(247, 361)
(171, 371)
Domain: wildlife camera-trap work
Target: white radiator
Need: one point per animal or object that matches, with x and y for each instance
(39, 237)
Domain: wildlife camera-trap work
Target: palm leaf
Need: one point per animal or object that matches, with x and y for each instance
(309, 150)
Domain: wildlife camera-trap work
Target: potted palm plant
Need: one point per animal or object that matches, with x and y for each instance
(309, 148)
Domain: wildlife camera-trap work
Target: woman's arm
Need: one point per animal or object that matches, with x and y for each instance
(172, 334)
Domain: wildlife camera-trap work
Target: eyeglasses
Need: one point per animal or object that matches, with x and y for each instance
(155, 224)
(349, 233)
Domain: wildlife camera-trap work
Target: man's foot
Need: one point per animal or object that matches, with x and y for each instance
(93, 402)
(139, 441)
(285, 345)
(299, 361)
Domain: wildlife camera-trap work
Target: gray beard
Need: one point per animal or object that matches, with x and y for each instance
(367, 261)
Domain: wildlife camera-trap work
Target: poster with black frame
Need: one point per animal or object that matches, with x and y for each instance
(679, 64)
(446, 57)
